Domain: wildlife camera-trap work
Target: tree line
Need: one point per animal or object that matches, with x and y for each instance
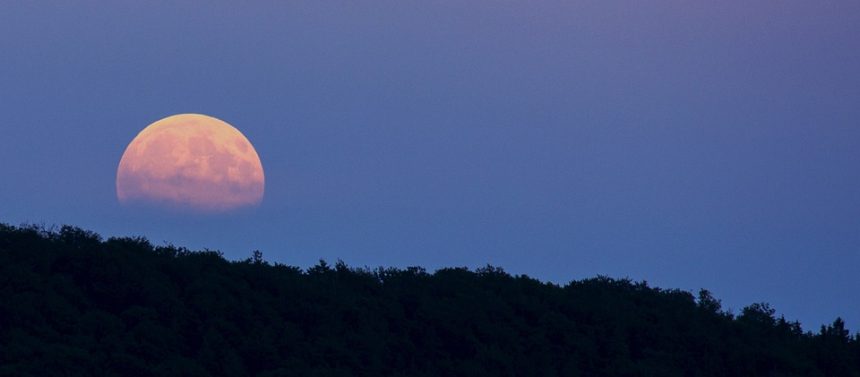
(74, 304)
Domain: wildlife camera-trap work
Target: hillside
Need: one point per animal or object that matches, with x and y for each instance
(72, 304)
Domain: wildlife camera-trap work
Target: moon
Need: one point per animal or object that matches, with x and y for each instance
(191, 161)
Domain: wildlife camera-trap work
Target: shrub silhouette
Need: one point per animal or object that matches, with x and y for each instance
(73, 304)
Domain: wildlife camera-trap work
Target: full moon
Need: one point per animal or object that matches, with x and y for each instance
(191, 161)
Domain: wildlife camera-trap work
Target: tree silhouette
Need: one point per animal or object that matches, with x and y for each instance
(73, 304)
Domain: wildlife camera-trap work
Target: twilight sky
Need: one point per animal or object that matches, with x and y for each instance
(687, 144)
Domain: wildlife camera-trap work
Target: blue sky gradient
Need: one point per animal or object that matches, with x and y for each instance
(687, 144)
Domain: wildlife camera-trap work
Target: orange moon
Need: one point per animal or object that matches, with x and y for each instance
(191, 161)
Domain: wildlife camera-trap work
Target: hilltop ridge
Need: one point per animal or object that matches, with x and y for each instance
(74, 304)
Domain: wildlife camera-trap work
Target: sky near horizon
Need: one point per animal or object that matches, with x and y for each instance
(689, 144)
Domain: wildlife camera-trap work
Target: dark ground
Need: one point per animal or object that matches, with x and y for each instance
(72, 304)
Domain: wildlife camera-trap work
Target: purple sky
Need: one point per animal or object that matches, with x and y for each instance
(687, 144)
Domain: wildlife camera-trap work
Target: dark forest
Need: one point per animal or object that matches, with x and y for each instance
(74, 304)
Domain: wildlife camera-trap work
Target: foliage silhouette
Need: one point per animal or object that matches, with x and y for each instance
(73, 304)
